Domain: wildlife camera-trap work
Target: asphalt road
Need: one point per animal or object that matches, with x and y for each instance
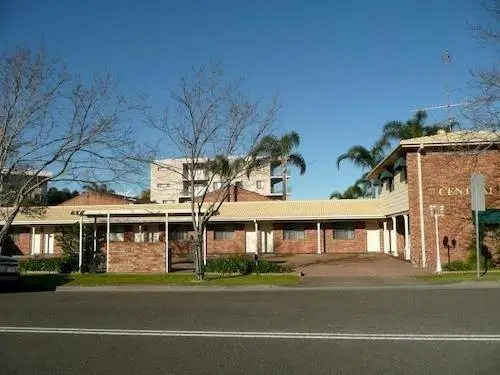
(268, 332)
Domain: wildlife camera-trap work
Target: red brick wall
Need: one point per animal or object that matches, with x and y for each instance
(308, 245)
(137, 257)
(234, 246)
(443, 169)
(357, 245)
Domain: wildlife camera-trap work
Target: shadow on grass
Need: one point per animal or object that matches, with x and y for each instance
(224, 276)
(35, 283)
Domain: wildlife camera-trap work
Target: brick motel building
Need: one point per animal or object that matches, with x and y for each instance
(418, 174)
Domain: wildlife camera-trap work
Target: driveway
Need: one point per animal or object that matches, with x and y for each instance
(352, 267)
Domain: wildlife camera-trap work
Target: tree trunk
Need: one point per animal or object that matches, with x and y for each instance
(285, 172)
(197, 247)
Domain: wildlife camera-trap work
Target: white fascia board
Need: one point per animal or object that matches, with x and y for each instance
(300, 218)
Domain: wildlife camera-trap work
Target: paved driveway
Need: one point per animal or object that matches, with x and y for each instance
(352, 267)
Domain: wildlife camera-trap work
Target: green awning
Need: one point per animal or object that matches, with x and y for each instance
(385, 175)
(400, 163)
(491, 216)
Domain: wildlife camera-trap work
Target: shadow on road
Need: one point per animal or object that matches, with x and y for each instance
(34, 283)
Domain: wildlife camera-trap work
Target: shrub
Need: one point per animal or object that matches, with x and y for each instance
(41, 264)
(457, 265)
(243, 265)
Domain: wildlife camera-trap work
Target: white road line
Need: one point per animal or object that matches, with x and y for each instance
(250, 334)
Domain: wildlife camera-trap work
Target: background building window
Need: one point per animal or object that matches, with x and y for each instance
(260, 184)
(294, 232)
(168, 201)
(163, 186)
(217, 185)
(224, 232)
(343, 231)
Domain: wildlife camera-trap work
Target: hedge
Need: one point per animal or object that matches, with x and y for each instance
(41, 264)
(243, 265)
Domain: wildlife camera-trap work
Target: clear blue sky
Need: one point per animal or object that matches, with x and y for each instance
(342, 68)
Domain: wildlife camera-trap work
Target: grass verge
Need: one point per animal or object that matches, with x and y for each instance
(455, 277)
(52, 281)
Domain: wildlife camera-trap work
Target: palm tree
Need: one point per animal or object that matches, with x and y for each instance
(281, 150)
(360, 189)
(413, 128)
(365, 158)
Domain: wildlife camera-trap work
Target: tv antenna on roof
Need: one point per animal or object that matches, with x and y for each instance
(447, 59)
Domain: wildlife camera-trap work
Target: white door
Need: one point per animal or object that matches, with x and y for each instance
(266, 233)
(49, 242)
(37, 243)
(372, 236)
(250, 238)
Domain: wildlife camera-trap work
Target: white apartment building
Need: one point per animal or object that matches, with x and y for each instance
(168, 186)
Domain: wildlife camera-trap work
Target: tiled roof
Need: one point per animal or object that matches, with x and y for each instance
(458, 137)
(451, 139)
(328, 209)
(230, 211)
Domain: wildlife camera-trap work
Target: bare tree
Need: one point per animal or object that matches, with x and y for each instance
(484, 111)
(216, 133)
(55, 128)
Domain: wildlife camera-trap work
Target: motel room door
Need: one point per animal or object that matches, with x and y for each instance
(372, 236)
(250, 238)
(266, 234)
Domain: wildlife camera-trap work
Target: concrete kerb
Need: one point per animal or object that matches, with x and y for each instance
(280, 288)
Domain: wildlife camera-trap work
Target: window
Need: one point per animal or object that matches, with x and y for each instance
(402, 175)
(147, 233)
(238, 184)
(15, 237)
(389, 184)
(117, 233)
(343, 231)
(294, 232)
(162, 168)
(224, 232)
(168, 201)
(260, 184)
(163, 186)
(180, 233)
(217, 185)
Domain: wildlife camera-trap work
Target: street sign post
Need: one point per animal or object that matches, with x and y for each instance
(478, 204)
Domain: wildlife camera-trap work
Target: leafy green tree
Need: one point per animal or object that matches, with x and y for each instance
(282, 150)
(56, 196)
(97, 188)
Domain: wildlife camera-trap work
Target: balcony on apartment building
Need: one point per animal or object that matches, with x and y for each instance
(277, 172)
(277, 190)
(199, 174)
(198, 190)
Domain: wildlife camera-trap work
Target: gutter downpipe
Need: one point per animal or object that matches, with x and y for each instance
(421, 203)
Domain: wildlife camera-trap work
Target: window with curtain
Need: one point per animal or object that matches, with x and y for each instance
(294, 232)
(224, 232)
(343, 231)
(180, 233)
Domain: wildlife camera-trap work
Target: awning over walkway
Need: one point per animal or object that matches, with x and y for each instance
(491, 216)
